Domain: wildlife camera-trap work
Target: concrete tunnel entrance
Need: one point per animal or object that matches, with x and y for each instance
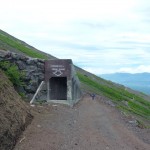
(62, 82)
(58, 88)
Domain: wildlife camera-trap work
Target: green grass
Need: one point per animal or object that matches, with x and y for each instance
(19, 46)
(136, 105)
(11, 70)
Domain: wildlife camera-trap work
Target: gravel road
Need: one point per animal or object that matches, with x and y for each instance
(90, 125)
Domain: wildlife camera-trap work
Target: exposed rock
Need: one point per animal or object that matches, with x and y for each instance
(41, 60)
(21, 65)
(30, 89)
(30, 96)
(40, 65)
(30, 61)
(15, 56)
(2, 54)
(23, 58)
(110, 103)
(33, 69)
(21, 90)
(133, 122)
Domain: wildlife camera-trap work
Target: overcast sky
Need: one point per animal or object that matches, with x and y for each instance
(101, 36)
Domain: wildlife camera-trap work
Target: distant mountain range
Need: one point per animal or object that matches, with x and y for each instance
(138, 81)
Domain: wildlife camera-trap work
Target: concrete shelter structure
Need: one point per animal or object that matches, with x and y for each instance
(61, 81)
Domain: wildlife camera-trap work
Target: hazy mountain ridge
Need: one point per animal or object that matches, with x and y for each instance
(137, 81)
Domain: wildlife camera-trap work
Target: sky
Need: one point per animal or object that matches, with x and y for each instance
(100, 36)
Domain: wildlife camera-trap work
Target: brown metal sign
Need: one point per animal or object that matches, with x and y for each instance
(57, 68)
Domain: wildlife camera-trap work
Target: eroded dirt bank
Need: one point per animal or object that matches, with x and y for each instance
(14, 114)
(90, 125)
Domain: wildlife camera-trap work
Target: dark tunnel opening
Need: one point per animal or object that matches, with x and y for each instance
(58, 88)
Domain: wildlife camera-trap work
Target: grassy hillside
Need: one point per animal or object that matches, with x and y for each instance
(127, 100)
(8, 42)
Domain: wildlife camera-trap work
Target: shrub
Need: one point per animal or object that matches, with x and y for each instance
(11, 70)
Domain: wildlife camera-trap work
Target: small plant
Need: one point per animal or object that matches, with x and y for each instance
(141, 124)
(22, 95)
(11, 70)
(41, 101)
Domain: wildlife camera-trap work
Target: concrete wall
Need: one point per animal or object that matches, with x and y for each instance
(76, 90)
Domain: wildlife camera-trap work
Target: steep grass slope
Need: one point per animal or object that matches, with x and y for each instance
(8, 42)
(127, 100)
(14, 114)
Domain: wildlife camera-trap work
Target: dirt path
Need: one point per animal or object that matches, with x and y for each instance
(90, 125)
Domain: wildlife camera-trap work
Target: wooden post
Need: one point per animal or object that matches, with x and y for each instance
(39, 88)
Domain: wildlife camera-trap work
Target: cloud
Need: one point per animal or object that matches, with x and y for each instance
(100, 36)
(98, 25)
(139, 69)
